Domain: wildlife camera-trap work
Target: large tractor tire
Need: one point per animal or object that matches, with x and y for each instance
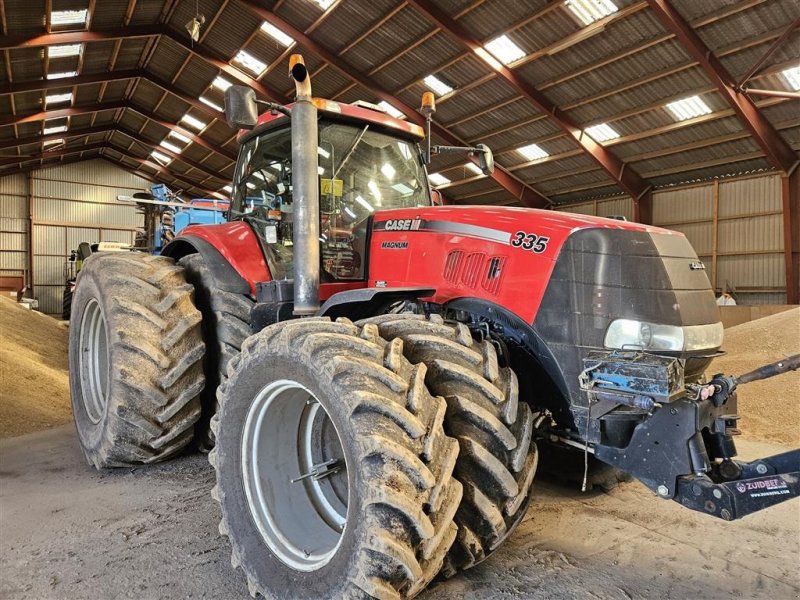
(334, 473)
(226, 324)
(498, 459)
(66, 303)
(135, 358)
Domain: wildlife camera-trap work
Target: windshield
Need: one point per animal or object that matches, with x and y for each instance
(361, 170)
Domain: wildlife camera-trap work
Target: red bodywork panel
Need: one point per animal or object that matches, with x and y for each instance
(237, 242)
(451, 249)
(448, 248)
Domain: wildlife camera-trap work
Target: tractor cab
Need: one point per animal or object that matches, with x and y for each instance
(367, 162)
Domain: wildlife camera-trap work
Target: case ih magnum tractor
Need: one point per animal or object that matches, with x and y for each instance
(374, 375)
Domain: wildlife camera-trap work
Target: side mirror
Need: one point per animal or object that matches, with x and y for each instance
(485, 159)
(241, 111)
(436, 197)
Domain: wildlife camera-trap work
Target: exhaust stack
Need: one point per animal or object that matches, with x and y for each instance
(305, 192)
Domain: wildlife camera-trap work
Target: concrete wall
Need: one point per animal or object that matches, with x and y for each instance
(64, 205)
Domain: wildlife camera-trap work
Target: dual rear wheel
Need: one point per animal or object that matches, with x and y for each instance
(353, 460)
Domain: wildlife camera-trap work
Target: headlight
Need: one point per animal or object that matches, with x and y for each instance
(630, 334)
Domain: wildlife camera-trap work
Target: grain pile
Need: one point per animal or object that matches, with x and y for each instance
(770, 408)
(34, 385)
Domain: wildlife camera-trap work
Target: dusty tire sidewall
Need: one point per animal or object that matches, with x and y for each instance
(270, 573)
(90, 434)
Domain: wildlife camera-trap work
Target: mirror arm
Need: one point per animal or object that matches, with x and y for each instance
(273, 107)
(470, 149)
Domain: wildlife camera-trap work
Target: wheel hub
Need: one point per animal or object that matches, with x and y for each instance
(294, 474)
(93, 362)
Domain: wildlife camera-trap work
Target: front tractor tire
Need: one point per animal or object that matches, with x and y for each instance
(334, 473)
(135, 359)
(498, 458)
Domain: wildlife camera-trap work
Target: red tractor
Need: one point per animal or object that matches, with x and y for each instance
(375, 376)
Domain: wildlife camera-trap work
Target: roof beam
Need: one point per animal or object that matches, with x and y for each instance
(39, 139)
(624, 176)
(49, 84)
(777, 150)
(46, 84)
(524, 193)
(108, 146)
(82, 110)
(21, 160)
(75, 37)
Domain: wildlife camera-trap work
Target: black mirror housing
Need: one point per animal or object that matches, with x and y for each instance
(485, 159)
(241, 111)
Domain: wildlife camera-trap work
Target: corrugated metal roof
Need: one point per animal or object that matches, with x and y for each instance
(622, 72)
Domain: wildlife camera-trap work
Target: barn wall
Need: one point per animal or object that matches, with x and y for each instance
(13, 229)
(70, 204)
(735, 226)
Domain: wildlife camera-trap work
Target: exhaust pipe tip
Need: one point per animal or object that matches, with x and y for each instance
(299, 73)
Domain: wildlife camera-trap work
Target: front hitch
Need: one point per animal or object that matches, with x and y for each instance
(677, 438)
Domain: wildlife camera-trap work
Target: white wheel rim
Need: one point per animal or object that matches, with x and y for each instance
(286, 433)
(93, 361)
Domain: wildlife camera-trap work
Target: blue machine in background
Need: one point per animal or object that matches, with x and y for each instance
(166, 215)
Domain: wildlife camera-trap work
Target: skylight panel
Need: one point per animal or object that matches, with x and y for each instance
(324, 4)
(192, 122)
(68, 17)
(473, 167)
(221, 83)
(276, 34)
(688, 108)
(53, 142)
(63, 50)
(391, 110)
(437, 85)
(227, 189)
(250, 62)
(504, 49)
(162, 158)
(62, 75)
(601, 132)
(58, 98)
(589, 11)
(532, 152)
(438, 179)
(170, 147)
(55, 129)
(212, 104)
(179, 136)
(792, 76)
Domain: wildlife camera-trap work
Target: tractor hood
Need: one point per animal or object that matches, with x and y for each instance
(503, 255)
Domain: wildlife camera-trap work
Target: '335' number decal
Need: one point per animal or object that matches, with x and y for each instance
(530, 241)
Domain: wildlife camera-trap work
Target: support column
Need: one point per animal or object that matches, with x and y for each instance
(29, 205)
(790, 193)
(643, 208)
